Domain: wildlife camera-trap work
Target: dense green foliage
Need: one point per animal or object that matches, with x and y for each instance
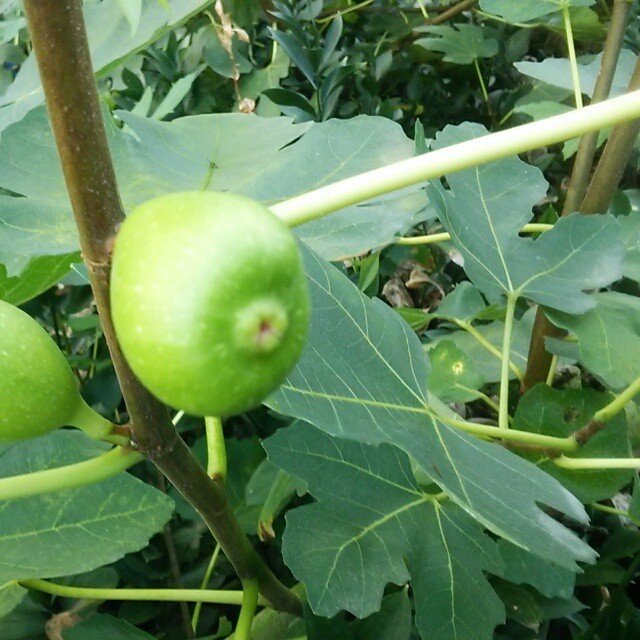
(400, 471)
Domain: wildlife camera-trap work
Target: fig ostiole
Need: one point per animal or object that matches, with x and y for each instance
(209, 300)
(38, 391)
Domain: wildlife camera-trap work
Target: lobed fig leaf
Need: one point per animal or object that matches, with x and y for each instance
(209, 300)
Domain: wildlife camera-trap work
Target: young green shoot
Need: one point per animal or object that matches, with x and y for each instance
(552, 371)
(613, 511)
(483, 86)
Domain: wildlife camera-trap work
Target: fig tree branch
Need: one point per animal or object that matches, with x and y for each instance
(539, 359)
(62, 52)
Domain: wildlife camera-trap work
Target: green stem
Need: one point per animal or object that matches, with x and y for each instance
(511, 435)
(332, 197)
(566, 16)
(216, 451)
(270, 624)
(343, 12)
(78, 474)
(248, 610)
(612, 510)
(552, 370)
(483, 86)
(195, 618)
(154, 595)
(488, 401)
(522, 25)
(597, 463)
(618, 403)
(503, 414)
(433, 238)
(469, 328)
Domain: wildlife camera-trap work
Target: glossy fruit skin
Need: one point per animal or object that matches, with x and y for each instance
(38, 392)
(209, 300)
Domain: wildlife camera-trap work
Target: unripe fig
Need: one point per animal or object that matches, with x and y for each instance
(38, 391)
(209, 300)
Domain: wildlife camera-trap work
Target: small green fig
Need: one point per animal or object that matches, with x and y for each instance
(209, 300)
(38, 391)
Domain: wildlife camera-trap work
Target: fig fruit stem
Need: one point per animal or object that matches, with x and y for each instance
(212, 596)
(69, 476)
(59, 39)
(435, 164)
(92, 423)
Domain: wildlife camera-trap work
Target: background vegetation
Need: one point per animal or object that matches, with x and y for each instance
(360, 84)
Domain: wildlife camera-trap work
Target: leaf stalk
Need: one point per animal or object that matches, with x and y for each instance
(70, 476)
(154, 595)
(319, 202)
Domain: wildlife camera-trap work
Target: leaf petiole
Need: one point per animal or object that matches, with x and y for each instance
(618, 403)
(566, 16)
(597, 463)
(319, 202)
(567, 444)
(195, 618)
(503, 413)
(69, 476)
(248, 609)
(469, 328)
(154, 595)
(434, 238)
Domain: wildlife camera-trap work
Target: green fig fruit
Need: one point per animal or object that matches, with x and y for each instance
(38, 391)
(209, 300)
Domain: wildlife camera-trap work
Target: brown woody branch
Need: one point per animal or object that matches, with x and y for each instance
(60, 44)
(580, 195)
